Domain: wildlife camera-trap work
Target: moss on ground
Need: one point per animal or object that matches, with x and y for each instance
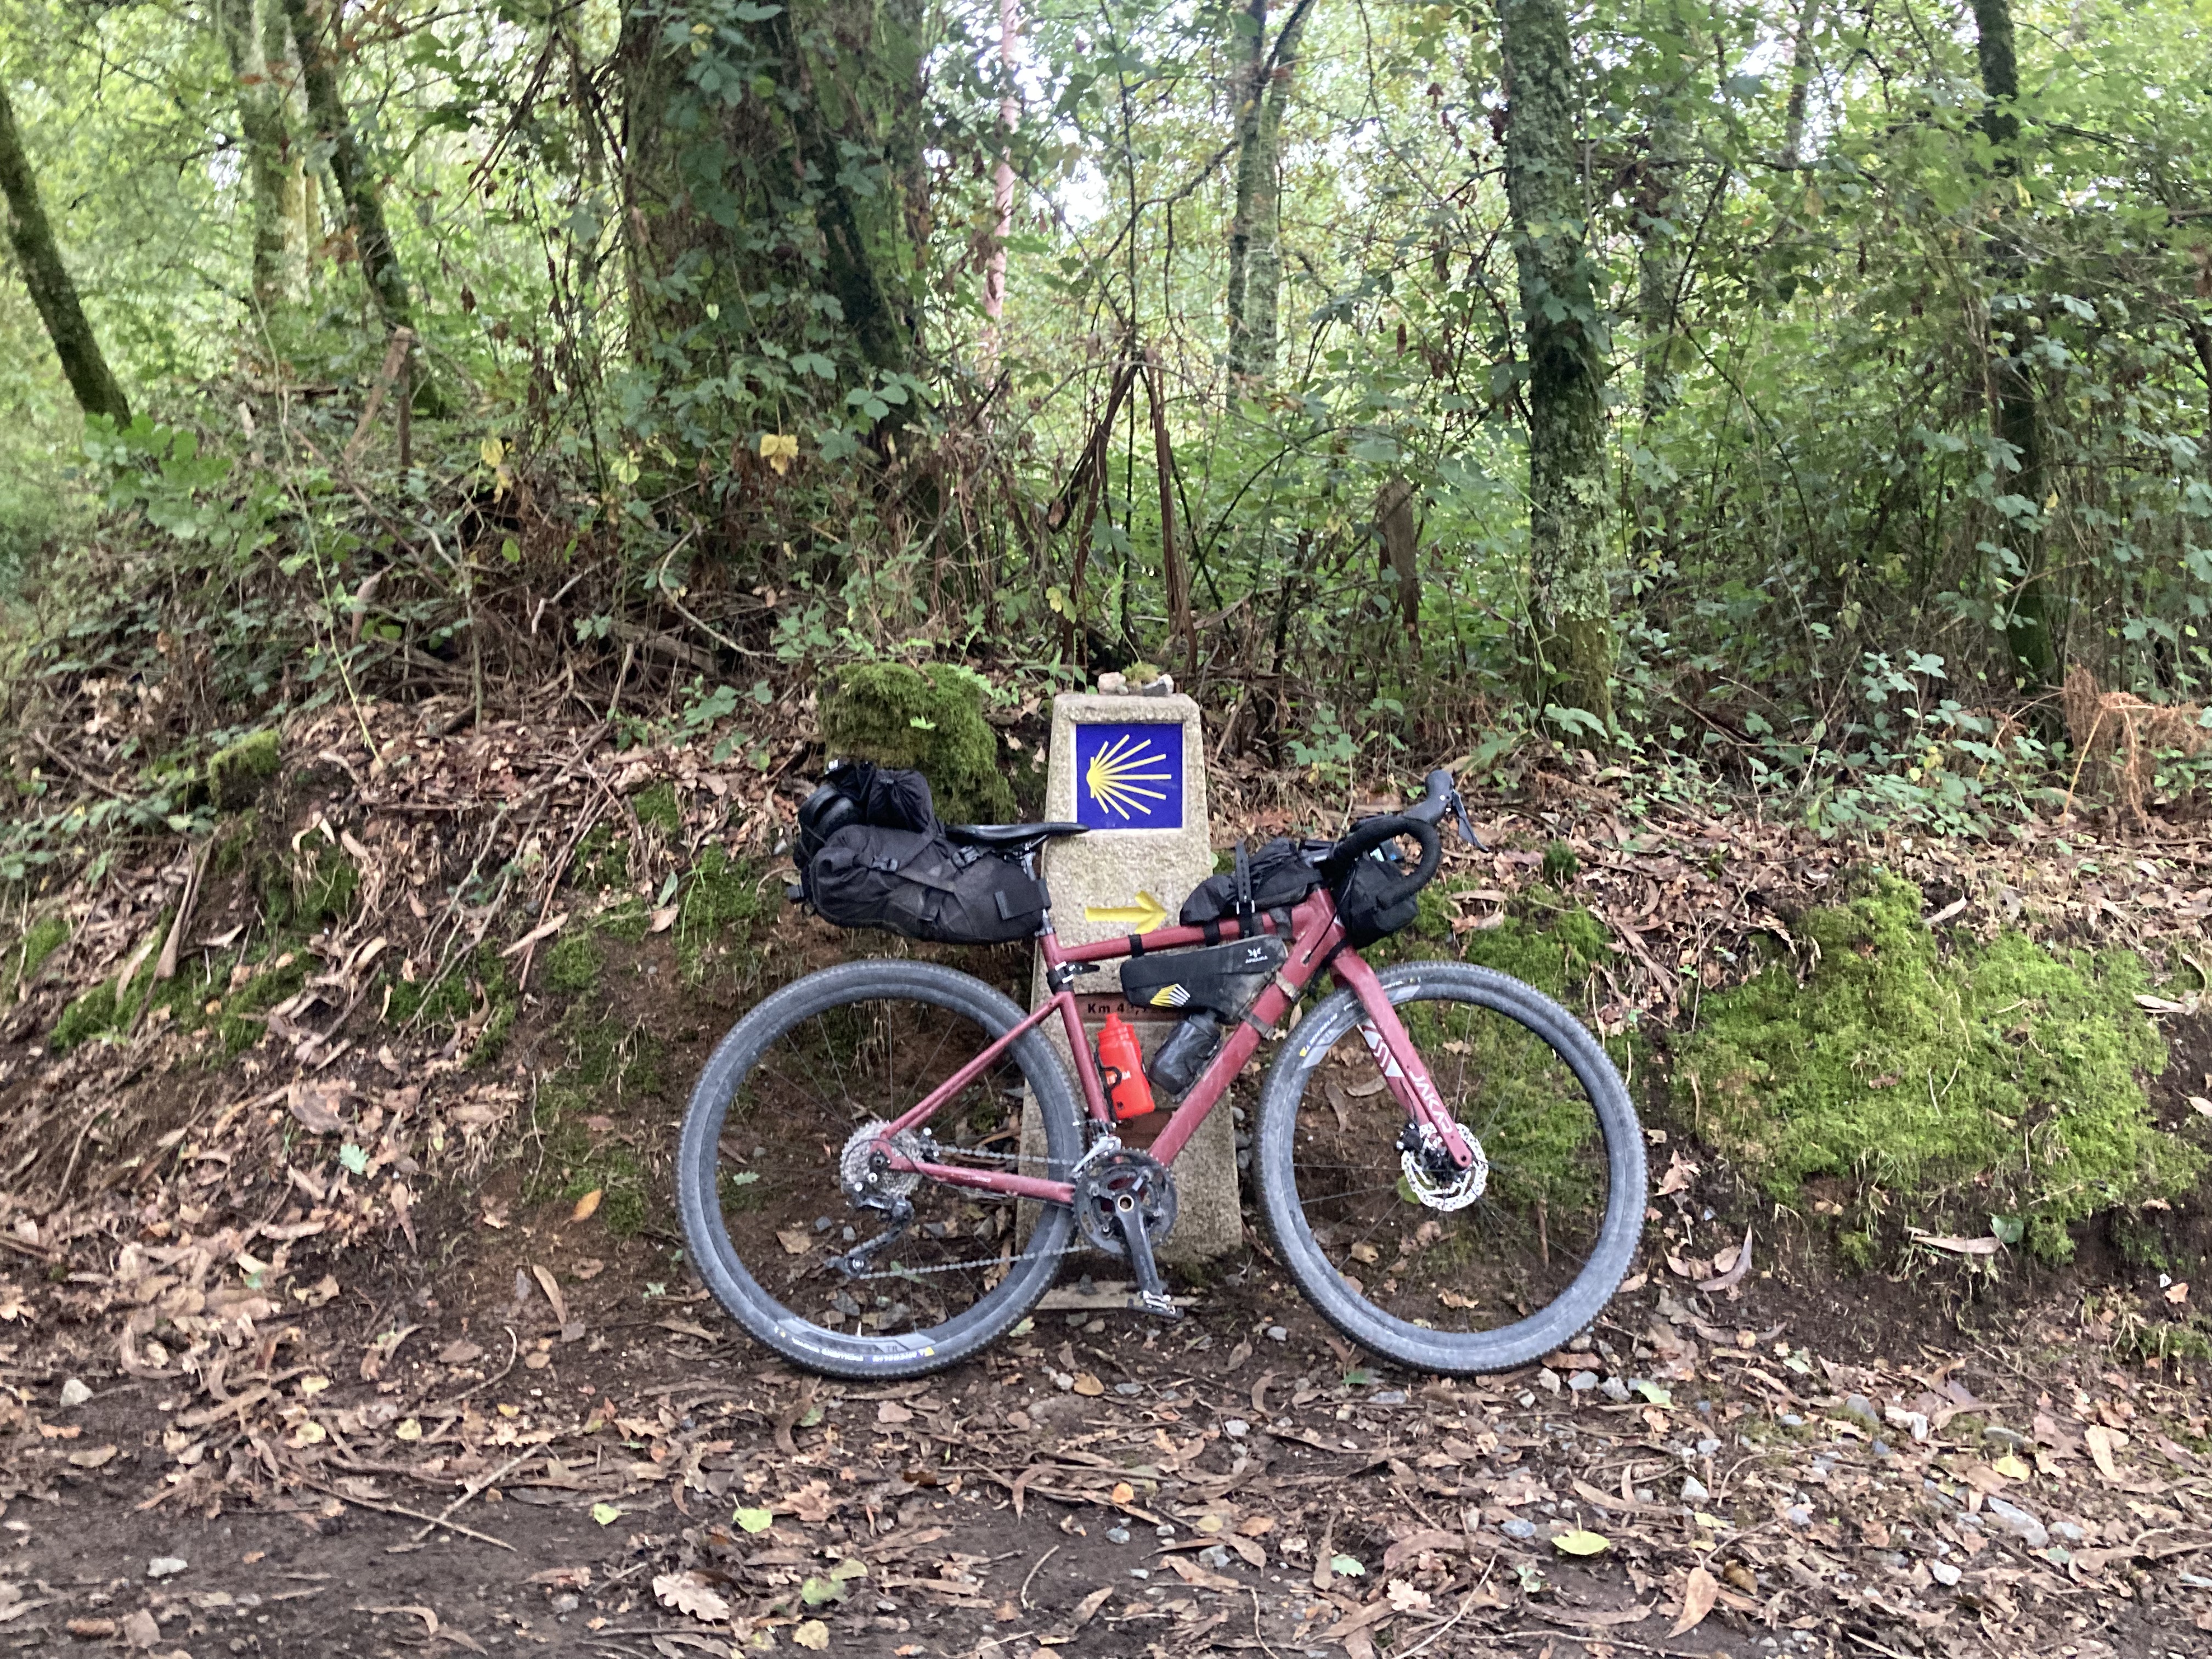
(573, 964)
(609, 1068)
(721, 901)
(482, 980)
(657, 809)
(235, 775)
(309, 887)
(929, 719)
(601, 860)
(24, 958)
(2001, 1081)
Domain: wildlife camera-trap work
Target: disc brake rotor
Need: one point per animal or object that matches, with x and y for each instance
(1434, 1179)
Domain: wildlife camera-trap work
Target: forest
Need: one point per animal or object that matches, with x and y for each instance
(1781, 398)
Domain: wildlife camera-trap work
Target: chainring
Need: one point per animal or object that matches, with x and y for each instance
(1104, 1180)
(866, 1178)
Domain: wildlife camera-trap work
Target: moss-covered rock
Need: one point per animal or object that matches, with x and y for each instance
(235, 775)
(2000, 1081)
(929, 719)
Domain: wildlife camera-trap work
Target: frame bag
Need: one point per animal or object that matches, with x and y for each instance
(1275, 878)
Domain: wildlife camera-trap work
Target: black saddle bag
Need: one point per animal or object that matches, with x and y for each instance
(860, 792)
(916, 883)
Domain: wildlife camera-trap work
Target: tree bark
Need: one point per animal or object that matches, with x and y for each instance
(743, 204)
(98, 391)
(2014, 417)
(357, 188)
(1659, 256)
(253, 36)
(1569, 489)
(1255, 239)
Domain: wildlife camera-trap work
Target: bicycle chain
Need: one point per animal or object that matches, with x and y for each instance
(964, 1266)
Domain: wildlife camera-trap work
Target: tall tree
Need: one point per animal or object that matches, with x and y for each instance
(2014, 418)
(1660, 245)
(253, 36)
(1570, 487)
(770, 164)
(97, 390)
(1801, 82)
(311, 22)
(1255, 234)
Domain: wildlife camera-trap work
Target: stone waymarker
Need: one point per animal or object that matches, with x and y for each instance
(1132, 770)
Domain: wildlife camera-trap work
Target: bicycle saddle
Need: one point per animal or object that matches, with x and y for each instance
(1009, 836)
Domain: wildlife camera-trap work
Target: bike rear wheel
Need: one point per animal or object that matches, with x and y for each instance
(1506, 1276)
(765, 1211)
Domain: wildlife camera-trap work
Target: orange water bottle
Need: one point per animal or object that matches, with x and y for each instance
(1123, 1063)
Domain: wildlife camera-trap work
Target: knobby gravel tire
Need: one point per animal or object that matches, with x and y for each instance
(1380, 1332)
(815, 1347)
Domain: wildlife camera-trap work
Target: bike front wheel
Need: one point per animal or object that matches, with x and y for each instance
(1464, 1278)
(771, 1221)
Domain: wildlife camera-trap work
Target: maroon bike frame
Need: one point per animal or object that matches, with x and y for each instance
(1317, 941)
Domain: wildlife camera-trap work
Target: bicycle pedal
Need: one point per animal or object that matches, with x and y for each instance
(1158, 1303)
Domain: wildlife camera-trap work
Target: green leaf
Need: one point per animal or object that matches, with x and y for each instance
(1346, 1566)
(2007, 1229)
(1654, 1394)
(754, 1520)
(810, 1416)
(605, 1514)
(355, 1158)
(815, 1591)
(1581, 1542)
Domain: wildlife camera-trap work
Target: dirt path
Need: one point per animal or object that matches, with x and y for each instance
(1236, 1482)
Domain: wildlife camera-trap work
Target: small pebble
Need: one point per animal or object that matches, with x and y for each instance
(2018, 1522)
(1548, 1380)
(1128, 1388)
(2068, 1531)
(1708, 1446)
(1117, 1534)
(1693, 1490)
(1237, 1428)
(1215, 1556)
(1791, 1420)
(2010, 1438)
(1944, 1573)
(1581, 1382)
(73, 1392)
(1140, 1572)
(1800, 1515)
(1516, 1528)
(1881, 1448)
(1278, 1333)
(165, 1566)
(1613, 1389)
(1165, 1530)
(1859, 1407)
(1388, 1397)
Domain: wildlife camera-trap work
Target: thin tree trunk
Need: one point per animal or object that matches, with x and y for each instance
(253, 36)
(2027, 626)
(357, 188)
(1002, 190)
(1569, 489)
(1256, 243)
(1801, 80)
(98, 391)
(1659, 255)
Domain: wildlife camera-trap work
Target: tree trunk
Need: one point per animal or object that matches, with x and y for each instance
(1659, 256)
(357, 188)
(2026, 621)
(1255, 239)
(741, 208)
(89, 377)
(253, 36)
(1801, 81)
(1570, 490)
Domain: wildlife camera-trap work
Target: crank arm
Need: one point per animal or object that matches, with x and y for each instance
(1151, 1295)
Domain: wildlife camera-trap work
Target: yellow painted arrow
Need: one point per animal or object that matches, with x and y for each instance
(1145, 915)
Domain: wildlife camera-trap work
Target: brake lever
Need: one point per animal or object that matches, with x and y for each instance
(1466, 828)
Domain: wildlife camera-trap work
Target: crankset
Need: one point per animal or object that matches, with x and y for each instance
(1125, 1202)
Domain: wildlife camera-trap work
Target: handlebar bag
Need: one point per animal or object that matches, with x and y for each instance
(917, 884)
(1281, 876)
(1359, 904)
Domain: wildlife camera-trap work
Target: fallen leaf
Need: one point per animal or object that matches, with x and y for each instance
(588, 1205)
(590, 1267)
(813, 1635)
(1123, 1493)
(889, 1411)
(605, 1514)
(1699, 1594)
(409, 1429)
(1405, 1599)
(1732, 1266)
(315, 1105)
(1088, 1386)
(796, 1241)
(754, 1520)
(2011, 1468)
(1581, 1542)
(551, 1287)
(140, 1629)
(92, 1457)
(2177, 1293)
(1346, 1566)
(2101, 1441)
(686, 1592)
(663, 919)
(1191, 1573)
(1256, 1525)
(1956, 1246)
(1087, 1609)
(1741, 1578)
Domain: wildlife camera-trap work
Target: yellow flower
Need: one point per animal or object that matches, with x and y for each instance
(779, 450)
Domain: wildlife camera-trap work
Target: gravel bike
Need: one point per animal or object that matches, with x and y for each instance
(1445, 1161)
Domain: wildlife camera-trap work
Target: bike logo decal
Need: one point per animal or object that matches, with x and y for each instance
(1170, 996)
(1131, 776)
